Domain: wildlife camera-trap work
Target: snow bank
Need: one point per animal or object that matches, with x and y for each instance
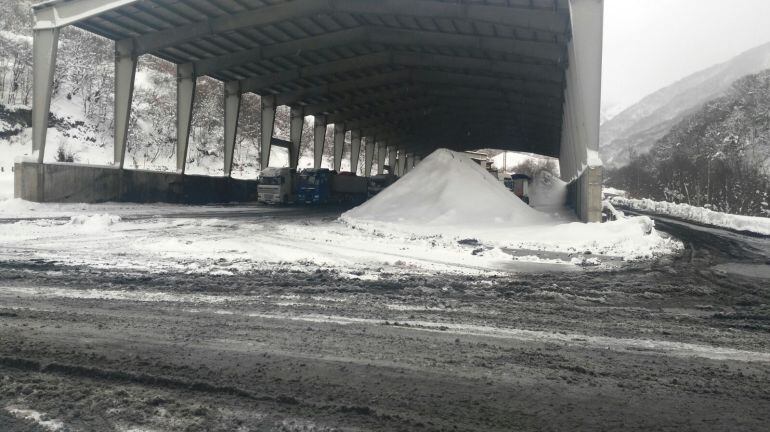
(611, 192)
(447, 188)
(758, 225)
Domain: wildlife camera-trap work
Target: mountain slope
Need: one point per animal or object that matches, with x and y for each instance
(636, 129)
(719, 156)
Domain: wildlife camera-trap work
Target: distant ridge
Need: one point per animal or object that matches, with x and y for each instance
(637, 128)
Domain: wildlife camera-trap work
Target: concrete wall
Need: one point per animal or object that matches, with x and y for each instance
(584, 195)
(68, 183)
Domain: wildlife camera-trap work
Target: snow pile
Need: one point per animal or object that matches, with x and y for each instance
(611, 192)
(758, 225)
(448, 198)
(94, 222)
(547, 191)
(447, 188)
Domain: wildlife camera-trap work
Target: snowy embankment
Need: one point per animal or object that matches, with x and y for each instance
(451, 197)
(757, 225)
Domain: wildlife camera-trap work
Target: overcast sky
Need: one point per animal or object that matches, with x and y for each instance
(649, 44)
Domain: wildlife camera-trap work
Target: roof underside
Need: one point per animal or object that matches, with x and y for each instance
(420, 73)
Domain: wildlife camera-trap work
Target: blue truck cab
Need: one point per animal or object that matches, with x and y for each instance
(314, 186)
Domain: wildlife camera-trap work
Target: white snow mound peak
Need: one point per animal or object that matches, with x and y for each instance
(447, 188)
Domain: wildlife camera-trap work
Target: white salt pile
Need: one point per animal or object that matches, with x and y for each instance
(449, 196)
(447, 188)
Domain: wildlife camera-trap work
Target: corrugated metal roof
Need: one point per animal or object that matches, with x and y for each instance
(501, 61)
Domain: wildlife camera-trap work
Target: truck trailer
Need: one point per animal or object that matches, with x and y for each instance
(322, 186)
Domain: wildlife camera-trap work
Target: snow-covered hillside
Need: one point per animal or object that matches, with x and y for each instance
(81, 128)
(636, 129)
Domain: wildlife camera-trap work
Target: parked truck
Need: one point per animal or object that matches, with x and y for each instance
(519, 185)
(321, 186)
(277, 186)
(379, 182)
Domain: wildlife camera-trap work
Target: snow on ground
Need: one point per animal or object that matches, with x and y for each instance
(611, 192)
(758, 225)
(37, 417)
(446, 215)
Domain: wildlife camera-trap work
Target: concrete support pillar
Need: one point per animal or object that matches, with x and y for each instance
(401, 163)
(185, 96)
(125, 71)
(295, 135)
(409, 163)
(580, 133)
(355, 150)
(44, 46)
(368, 156)
(339, 145)
(232, 112)
(319, 139)
(266, 131)
(392, 159)
(381, 153)
(417, 160)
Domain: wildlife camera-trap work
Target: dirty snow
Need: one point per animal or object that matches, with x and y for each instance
(758, 225)
(39, 418)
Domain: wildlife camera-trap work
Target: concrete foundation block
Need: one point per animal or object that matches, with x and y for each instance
(585, 195)
(78, 183)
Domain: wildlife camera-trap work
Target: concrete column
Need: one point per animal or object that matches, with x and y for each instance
(355, 149)
(319, 139)
(266, 131)
(409, 163)
(295, 135)
(44, 46)
(339, 145)
(587, 18)
(368, 156)
(584, 91)
(185, 96)
(401, 163)
(232, 112)
(392, 159)
(125, 71)
(417, 160)
(381, 153)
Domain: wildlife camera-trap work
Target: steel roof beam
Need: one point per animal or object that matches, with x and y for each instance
(460, 118)
(257, 83)
(522, 17)
(407, 77)
(549, 51)
(213, 65)
(284, 49)
(57, 13)
(394, 103)
(295, 97)
(382, 59)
